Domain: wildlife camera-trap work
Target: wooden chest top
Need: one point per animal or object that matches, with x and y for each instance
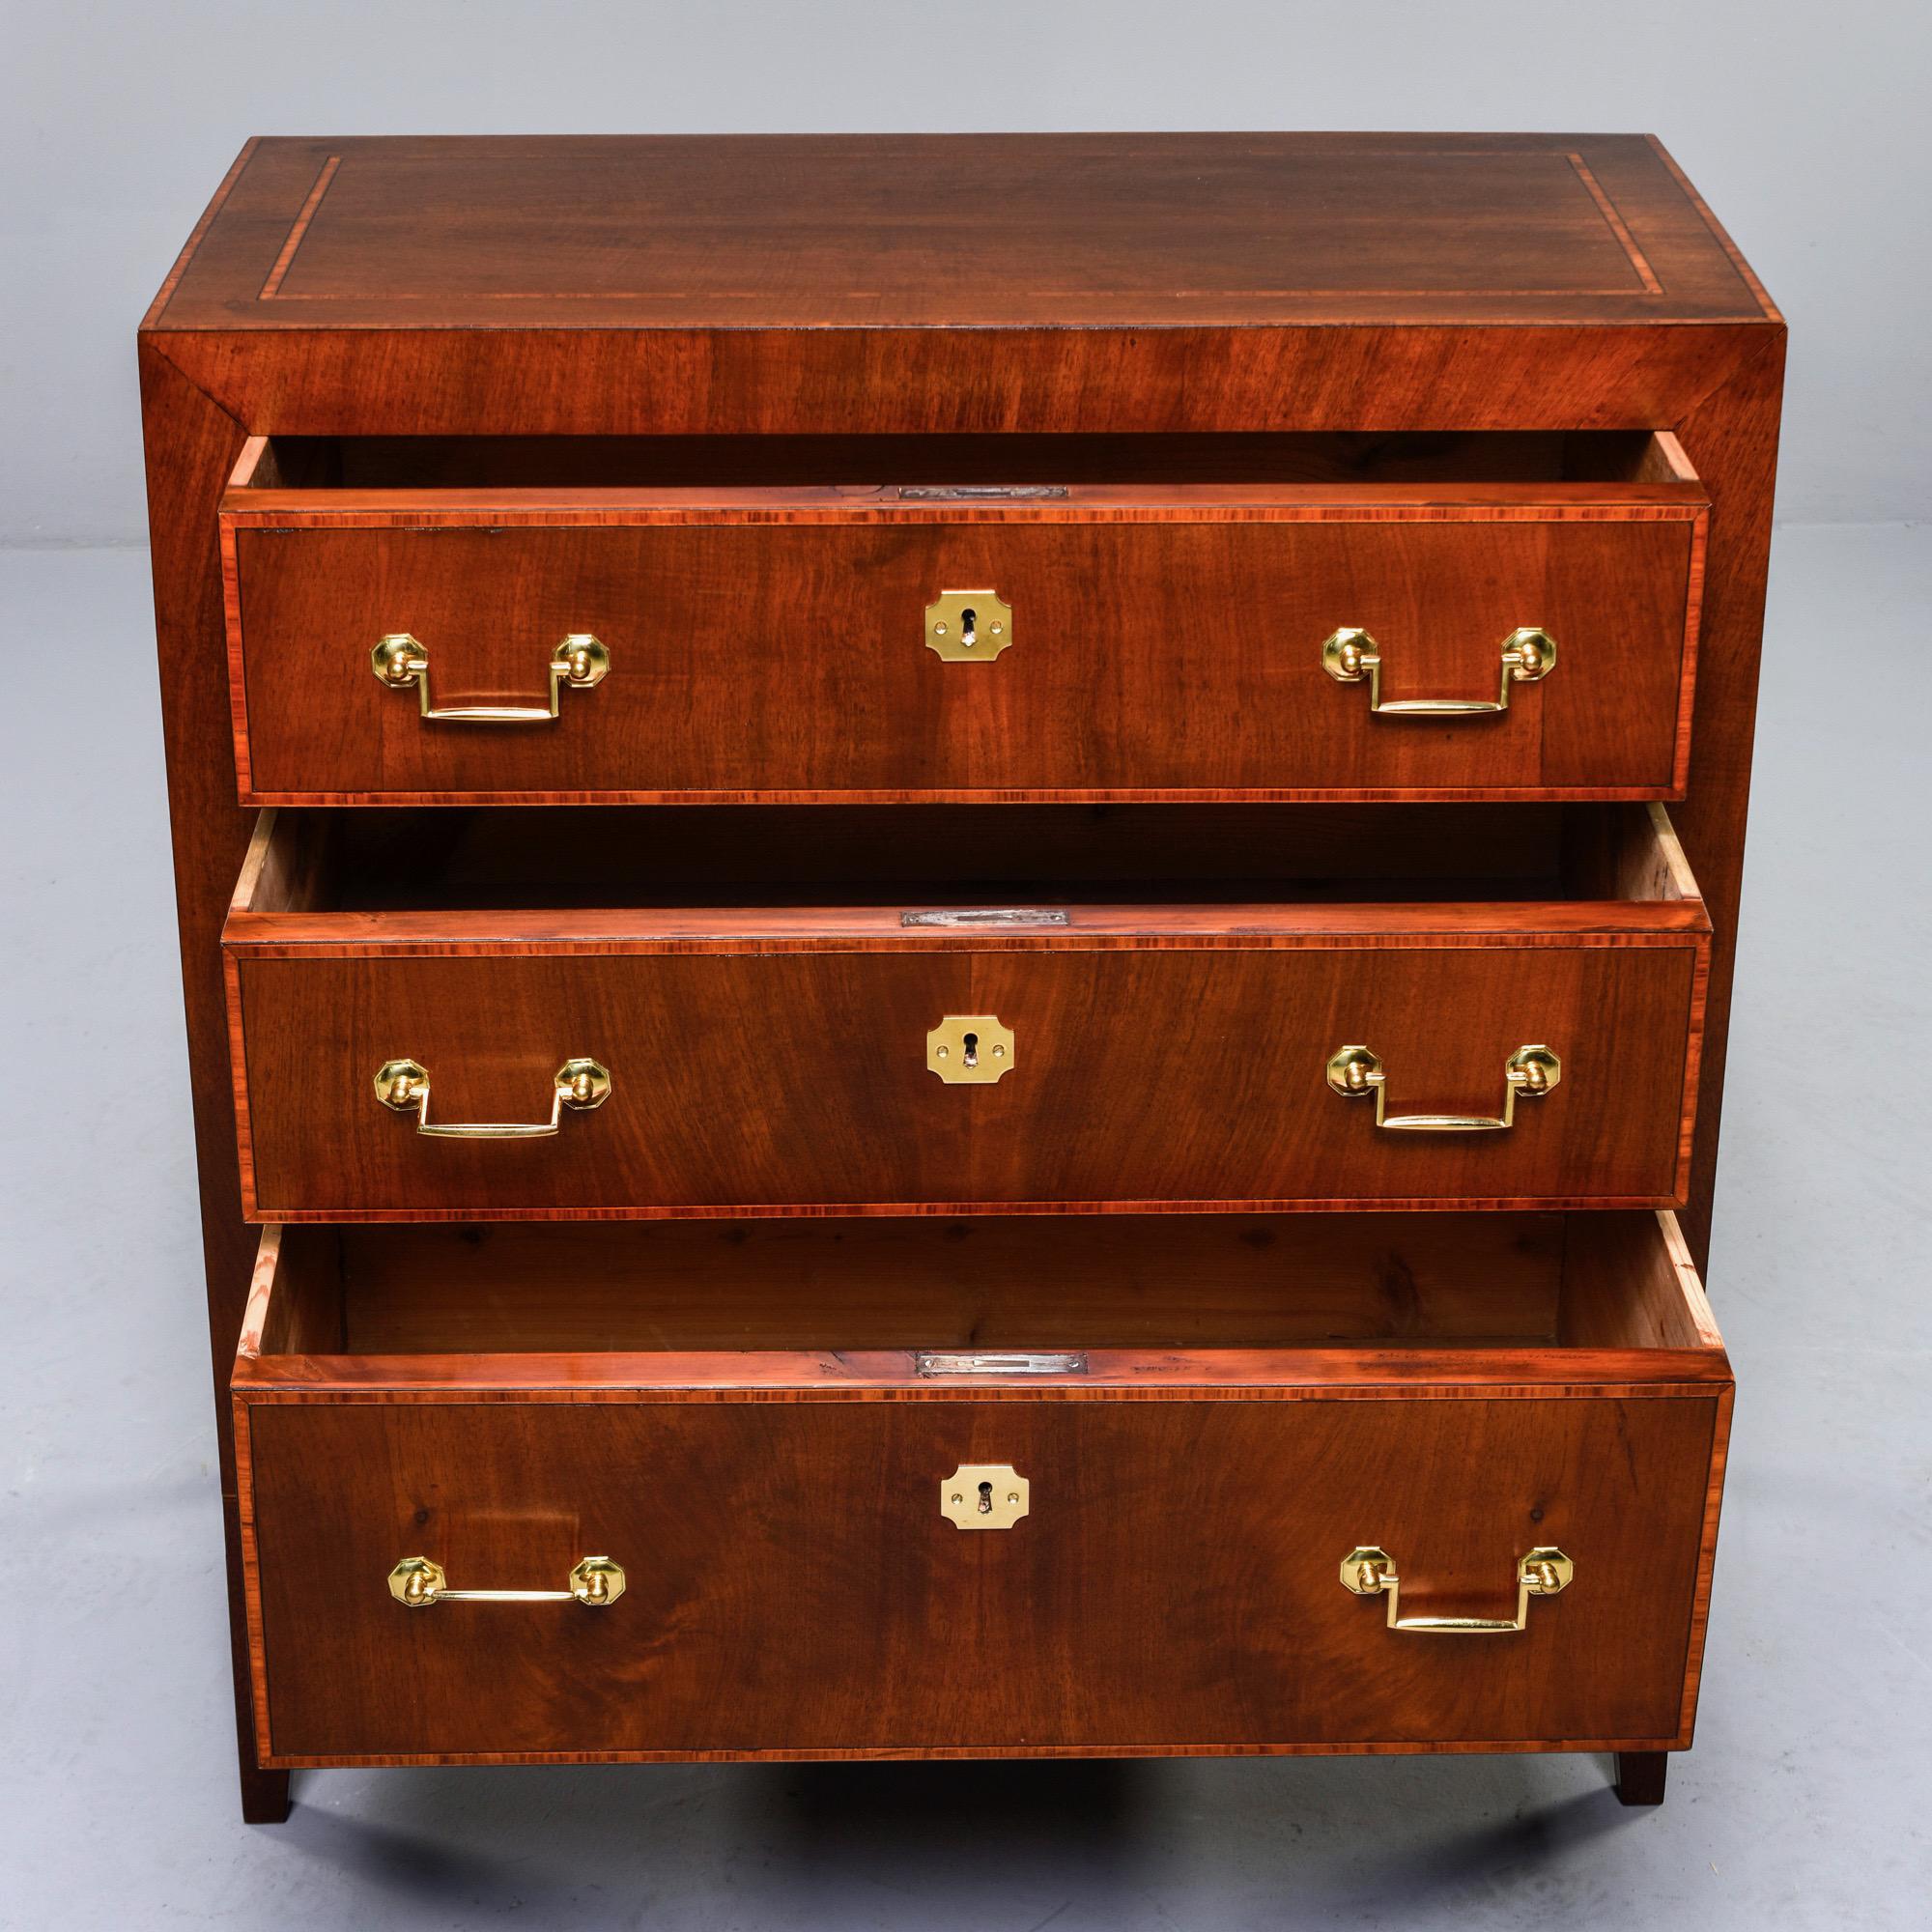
(1010, 231)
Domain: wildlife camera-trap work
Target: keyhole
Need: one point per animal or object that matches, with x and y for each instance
(985, 1499)
(972, 1049)
(967, 623)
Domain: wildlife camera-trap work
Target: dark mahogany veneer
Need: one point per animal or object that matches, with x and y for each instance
(1461, 323)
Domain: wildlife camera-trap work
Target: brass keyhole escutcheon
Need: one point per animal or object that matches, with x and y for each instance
(970, 1049)
(969, 626)
(985, 1496)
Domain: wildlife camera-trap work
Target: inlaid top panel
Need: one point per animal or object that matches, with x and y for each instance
(909, 231)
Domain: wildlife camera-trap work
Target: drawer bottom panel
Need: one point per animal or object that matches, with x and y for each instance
(793, 1588)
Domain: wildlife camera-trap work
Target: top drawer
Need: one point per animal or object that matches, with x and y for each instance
(650, 620)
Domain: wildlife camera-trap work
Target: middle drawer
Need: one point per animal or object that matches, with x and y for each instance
(445, 1040)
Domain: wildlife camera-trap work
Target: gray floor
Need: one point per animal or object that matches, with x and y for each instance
(1805, 1804)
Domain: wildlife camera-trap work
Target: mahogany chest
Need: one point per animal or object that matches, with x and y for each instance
(958, 920)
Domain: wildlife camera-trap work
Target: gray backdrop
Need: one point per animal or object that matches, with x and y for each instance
(1807, 1805)
(1803, 125)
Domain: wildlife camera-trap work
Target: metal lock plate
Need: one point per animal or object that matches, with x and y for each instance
(1019, 1362)
(970, 1049)
(982, 493)
(968, 626)
(985, 1496)
(994, 916)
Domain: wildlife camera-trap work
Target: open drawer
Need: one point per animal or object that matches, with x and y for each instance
(434, 621)
(935, 1488)
(485, 1025)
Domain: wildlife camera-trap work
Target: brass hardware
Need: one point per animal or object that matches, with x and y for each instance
(968, 626)
(416, 1582)
(400, 661)
(1528, 656)
(1354, 1073)
(1544, 1571)
(988, 915)
(970, 1050)
(404, 1085)
(985, 1496)
(949, 1362)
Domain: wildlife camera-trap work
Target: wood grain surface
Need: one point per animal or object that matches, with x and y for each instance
(770, 643)
(190, 444)
(1171, 1590)
(609, 358)
(1159, 1281)
(1180, 1068)
(769, 232)
(792, 1584)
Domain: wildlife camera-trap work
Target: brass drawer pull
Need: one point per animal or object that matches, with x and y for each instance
(1354, 1073)
(1349, 656)
(416, 1582)
(404, 1085)
(1544, 1571)
(400, 661)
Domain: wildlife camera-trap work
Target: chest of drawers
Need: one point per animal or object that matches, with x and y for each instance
(958, 920)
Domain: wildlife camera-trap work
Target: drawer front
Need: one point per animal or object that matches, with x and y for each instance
(792, 1586)
(760, 1083)
(1153, 657)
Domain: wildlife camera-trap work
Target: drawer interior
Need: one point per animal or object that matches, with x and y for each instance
(965, 462)
(1449, 1285)
(933, 858)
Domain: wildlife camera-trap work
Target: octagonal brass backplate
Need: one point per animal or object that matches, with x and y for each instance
(985, 1496)
(1362, 1570)
(416, 1582)
(1546, 1570)
(399, 1084)
(581, 661)
(968, 626)
(398, 659)
(582, 1083)
(970, 1049)
(597, 1582)
(1352, 1070)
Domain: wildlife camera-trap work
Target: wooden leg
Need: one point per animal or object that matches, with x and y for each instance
(1641, 1777)
(265, 1796)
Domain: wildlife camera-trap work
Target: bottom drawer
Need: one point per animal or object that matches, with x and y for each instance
(1147, 1537)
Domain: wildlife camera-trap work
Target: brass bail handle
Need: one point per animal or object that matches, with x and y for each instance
(400, 661)
(403, 1086)
(1542, 1571)
(417, 1582)
(1532, 1071)
(1349, 655)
